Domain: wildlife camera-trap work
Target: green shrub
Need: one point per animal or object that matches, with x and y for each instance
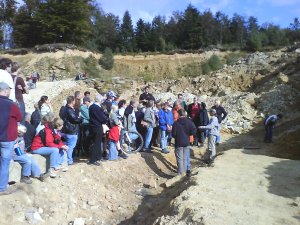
(205, 68)
(191, 70)
(215, 63)
(107, 59)
(233, 57)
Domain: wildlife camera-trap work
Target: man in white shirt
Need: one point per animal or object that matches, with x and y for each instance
(5, 70)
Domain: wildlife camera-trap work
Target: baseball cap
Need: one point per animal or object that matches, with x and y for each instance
(4, 86)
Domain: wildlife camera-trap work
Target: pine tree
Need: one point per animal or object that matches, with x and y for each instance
(127, 34)
(107, 59)
(7, 12)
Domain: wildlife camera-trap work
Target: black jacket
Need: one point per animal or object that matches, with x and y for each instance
(182, 129)
(196, 120)
(204, 120)
(97, 116)
(29, 135)
(35, 118)
(221, 113)
(71, 121)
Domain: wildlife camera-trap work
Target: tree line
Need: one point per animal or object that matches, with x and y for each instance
(84, 23)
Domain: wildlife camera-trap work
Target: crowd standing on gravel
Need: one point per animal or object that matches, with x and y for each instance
(96, 129)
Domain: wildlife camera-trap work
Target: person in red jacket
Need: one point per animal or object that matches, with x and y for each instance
(9, 117)
(46, 143)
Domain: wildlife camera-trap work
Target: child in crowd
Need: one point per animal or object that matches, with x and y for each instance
(29, 165)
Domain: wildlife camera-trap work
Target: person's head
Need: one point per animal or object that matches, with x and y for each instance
(180, 96)
(217, 103)
(150, 104)
(132, 103)
(182, 113)
(5, 64)
(86, 101)
(27, 117)
(196, 99)
(279, 116)
(203, 105)
(15, 67)
(111, 95)
(21, 130)
(140, 107)
(77, 95)
(176, 105)
(4, 89)
(99, 98)
(122, 104)
(165, 106)
(114, 108)
(71, 101)
(48, 118)
(212, 112)
(58, 123)
(147, 89)
(87, 94)
(43, 99)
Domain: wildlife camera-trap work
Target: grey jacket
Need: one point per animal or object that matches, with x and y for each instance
(149, 117)
(213, 126)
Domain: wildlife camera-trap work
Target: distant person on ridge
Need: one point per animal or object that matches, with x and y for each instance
(269, 123)
(221, 115)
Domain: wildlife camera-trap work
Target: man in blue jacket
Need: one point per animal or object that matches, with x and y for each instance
(166, 121)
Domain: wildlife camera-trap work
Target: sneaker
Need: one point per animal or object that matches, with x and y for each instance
(188, 173)
(147, 150)
(64, 169)
(7, 192)
(94, 163)
(217, 144)
(123, 155)
(165, 151)
(26, 180)
(52, 173)
(42, 177)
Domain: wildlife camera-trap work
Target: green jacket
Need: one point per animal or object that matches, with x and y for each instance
(84, 113)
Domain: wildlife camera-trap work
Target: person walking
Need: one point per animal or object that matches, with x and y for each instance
(213, 132)
(20, 88)
(221, 115)
(5, 71)
(204, 120)
(9, 117)
(269, 123)
(166, 121)
(71, 127)
(193, 112)
(182, 129)
(149, 117)
(97, 120)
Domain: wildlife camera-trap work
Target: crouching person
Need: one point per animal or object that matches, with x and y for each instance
(45, 143)
(29, 165)
(182, 129)
(213, 133)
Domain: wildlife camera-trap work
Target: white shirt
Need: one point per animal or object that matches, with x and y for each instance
(6, 78)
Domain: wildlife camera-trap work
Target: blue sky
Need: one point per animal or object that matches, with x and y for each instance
(280, 12)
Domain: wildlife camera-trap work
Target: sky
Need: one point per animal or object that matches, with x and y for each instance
(279, 12)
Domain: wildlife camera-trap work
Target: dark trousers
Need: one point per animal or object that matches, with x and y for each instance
(96, 149)
(22, 109)
(269, 133)
(85, 138)
(155, 137)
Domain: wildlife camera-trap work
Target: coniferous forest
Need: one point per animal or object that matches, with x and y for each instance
(84, 23)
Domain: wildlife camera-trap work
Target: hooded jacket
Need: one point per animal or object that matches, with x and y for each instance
(182, 129)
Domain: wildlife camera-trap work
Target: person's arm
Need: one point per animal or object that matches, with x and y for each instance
(71, 116)
(171, 118)
(174, 130)
(17, 113)
(224, 114)
(50, 138)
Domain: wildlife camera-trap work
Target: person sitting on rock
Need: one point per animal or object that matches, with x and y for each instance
(44, 143)
(221, 115)
(28, 164)
(269, 123)
(146, 96)
(213, 132)
(45, 106)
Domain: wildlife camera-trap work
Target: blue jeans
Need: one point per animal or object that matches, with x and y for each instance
(29, 165)
(22, 109)
(188, 158)
(61, 158)
(163, 139)
(7, 149)
(53, 152)
(148, 137)
(71, 141)
(218, 140)
(112, 153)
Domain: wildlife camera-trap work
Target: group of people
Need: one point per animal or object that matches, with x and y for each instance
(96, 128)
